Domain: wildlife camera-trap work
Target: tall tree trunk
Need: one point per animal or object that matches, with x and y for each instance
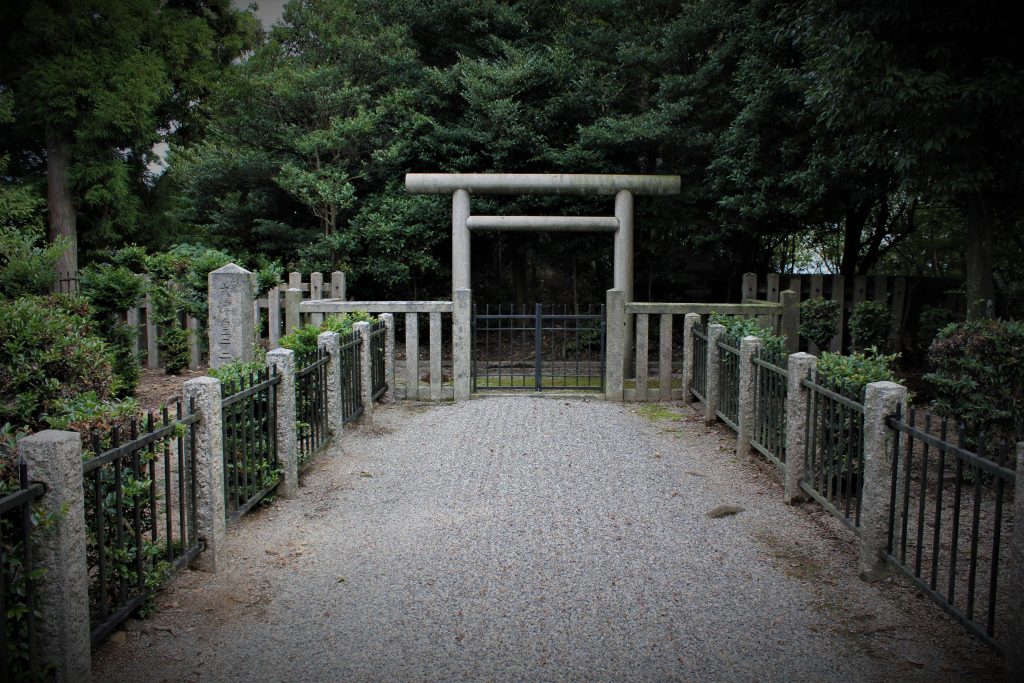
(856, 218)
(62, 218)
(978, 282)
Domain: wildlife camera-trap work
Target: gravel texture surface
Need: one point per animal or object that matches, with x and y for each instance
(540, 539)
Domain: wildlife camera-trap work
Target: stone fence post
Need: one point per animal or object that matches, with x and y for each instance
(713, 390)
(330, 344)
(282, 361)
(209, 463)
(54, 459)
(881, 399)
(292, 316)
(789, 326)
(690, 321)
(801, 366)
(749, 346)
(365, 368)
(462, 336)
(389, 355)
(615, 343)
(232, 325)
(1013, 652)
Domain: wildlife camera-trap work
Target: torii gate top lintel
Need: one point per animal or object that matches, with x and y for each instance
(623, 187)
(541, 183)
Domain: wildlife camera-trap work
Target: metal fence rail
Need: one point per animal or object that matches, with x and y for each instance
(699, 387)
(18, 651)
(250, 440)
(834, 469)
(947, 521)
(378, 385)
(729, 384)
(140, 513)
(769, 436)
(311, 403)
(351, 374)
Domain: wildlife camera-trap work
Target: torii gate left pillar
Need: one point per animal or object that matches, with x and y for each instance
(461, 185)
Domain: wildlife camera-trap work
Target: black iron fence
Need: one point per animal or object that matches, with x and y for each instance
(18, 651)
(351, 377)
(538, 348)
(249, 411)
(948, 521)
(140, 513)
(769, 437)
(699, 385)
(378, 385)
(834, 460)
(311, 403)
(729, 382)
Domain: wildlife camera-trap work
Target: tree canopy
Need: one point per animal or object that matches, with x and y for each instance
(866, 135)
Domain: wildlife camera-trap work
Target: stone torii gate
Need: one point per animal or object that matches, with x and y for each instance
(462, 185)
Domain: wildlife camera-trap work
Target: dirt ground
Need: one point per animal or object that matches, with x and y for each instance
(156, 387)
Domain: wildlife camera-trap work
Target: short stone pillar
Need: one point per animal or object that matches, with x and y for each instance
(615, 344)
(282, 362)
(274, 316)
(690, 321)
(713, 392)
(749, 289)
(292, 316)
(749, 347)
(412, 356)
(54, 459)
(209, 463)
(232, 327)
(881, 399)
(316, 292)
(389, 355)
(330, 344)
(462, 339)
(789, 326)
(365, 368)
(338, 285)
(1014, 637)
(800, 366)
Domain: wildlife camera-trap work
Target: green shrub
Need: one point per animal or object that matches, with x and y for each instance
(110, 290)
(979, 375)
(869, 325)
(231, 375)
(855, 371)
(303, 341)
(173, 345)
(737, 327)
(27, 263)
(818, 321)
(49, 352)
(931, 321)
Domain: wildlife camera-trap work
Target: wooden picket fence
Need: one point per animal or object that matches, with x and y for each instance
(268, 312)
(895, 292)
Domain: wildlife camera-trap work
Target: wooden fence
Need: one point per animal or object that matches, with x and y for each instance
(269, 312)
(903, 296)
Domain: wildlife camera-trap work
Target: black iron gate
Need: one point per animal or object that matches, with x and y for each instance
(548, 347)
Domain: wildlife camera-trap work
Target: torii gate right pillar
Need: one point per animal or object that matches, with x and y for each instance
(623, 260)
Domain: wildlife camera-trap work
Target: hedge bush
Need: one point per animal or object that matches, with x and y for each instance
(49, 353)
(979, 375)
(737, 327)
(303, 341)
(819, 319)
(853, 372)
(869, 325)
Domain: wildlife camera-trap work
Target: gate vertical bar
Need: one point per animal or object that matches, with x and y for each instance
(538, 347)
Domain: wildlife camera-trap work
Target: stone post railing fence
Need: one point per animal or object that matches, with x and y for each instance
(54, 459)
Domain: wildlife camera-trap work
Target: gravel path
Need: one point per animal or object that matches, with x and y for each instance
(539, 539)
